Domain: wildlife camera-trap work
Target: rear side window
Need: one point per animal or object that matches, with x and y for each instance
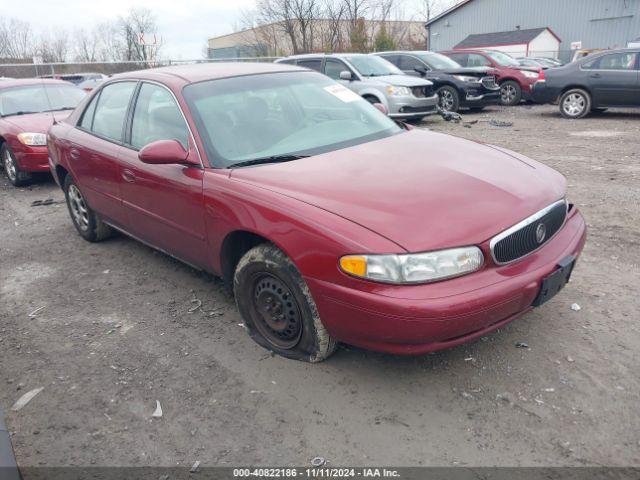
(157, 117)
(395, 59)
(111, 110)
(87, 116)
(618, 61)
(313, 64)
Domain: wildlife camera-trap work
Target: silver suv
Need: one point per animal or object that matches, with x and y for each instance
(376, 80)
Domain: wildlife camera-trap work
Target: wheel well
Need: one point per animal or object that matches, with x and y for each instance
(508, 79)
(372, 96)
(571, 87)
(61, 173)
(234, 246)
(2, 140)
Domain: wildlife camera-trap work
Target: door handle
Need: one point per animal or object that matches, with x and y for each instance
(128, 176)
(75, 154)
(595, 75)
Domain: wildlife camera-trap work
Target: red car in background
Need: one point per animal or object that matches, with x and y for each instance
(331, 222)
(28, 107)
(516, 82)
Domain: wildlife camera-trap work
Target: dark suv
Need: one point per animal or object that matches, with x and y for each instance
(515, 81)
(457, 87)
(601, 80)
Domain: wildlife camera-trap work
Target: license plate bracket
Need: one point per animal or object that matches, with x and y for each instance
(555, 282)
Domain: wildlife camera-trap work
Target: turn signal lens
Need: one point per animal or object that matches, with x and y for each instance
(354, 264)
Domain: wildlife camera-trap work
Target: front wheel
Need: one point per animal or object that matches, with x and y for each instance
(448, 99)
(17, 177)
(575, 103)
(87, 223)
(276, 305)
(510, 93)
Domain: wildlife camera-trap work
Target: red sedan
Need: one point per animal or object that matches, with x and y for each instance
(330, 222)
(28, 107)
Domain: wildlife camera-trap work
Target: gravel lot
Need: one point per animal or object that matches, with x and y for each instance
(115, 335)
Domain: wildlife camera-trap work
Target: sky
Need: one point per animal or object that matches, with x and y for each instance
(185, 25)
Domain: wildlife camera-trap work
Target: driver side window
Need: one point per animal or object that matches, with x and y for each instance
(332, 68)
(157, 117)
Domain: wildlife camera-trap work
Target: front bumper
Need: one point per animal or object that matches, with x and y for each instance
(407, 107)
(425, 318)
(32, 159)
(475, 98)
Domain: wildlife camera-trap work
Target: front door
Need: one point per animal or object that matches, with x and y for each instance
(94, 149)
(164, 203)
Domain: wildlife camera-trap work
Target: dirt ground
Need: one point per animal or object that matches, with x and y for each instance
(115, 334)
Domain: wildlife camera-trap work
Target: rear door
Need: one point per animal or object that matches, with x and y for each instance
(163, 202)
(95, 146)
(613, 79)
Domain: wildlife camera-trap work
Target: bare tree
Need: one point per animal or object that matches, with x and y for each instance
(53, 46)
(140, 21)
(296, 19)
(87, 45)
(16, 39)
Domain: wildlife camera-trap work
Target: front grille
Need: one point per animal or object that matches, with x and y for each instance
(525, 237)
(422, 92)
(489, 82)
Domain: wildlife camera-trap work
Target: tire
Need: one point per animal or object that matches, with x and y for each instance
(17, 177)
(510, 93)
(575, 103)
(86, 221)
(277, 308)
(448, 99)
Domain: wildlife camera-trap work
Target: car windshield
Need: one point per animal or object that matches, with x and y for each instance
(503, 59)
(39, 98)
(373, 66)
(439, 62)
(281, 115)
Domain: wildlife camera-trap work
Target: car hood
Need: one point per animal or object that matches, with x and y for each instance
(36, 122)
(401, 80)
(419, 189)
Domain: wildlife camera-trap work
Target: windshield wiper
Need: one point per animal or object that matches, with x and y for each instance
(21, 112)
(60, 109)
(271, 159)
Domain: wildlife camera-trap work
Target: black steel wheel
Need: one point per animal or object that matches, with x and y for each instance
(277, 307)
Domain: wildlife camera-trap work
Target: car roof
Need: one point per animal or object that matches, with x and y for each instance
(408, 52)
(206, 71)
(19, 82)
(321, 55)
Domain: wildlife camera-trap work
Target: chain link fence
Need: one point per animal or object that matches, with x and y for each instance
(57, 70)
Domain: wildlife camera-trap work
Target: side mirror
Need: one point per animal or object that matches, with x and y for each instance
(420, 69)
(164, 152)
(346, 75)
(382, 108)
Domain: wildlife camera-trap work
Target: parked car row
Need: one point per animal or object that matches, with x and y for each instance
(316, 209)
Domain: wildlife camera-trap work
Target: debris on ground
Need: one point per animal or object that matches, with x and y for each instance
(522, 345)
(158, 411)
(197, 306)
(466, 395)
(570, 359)
(36, 311)
(195, 467)
(318, 461)
(469, 359)
(43, 203)
(575, 307)
(549, 390)
(500, 123)
(26, 398)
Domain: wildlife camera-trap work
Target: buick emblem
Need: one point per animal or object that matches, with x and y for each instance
(541, 232)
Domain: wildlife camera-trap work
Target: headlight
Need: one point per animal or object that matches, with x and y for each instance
(414, 267)
(33, 139)
(529, 74)
(465, 78)
(398, 91)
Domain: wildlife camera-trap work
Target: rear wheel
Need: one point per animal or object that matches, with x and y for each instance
(510, 93)
(448, 99)
(276, 305)
(17, 177)
(575, 103)
(87, 223)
